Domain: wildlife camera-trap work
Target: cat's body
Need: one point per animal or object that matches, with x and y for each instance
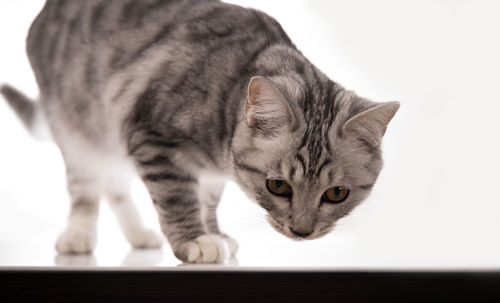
(161, 89)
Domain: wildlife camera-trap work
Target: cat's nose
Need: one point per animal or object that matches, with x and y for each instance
(301, 234)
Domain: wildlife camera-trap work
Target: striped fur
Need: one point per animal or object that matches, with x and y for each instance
(159, 88)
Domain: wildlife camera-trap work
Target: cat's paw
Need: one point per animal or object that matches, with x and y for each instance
(145, 238)
(232, 244)
(76, 240)
(205, 249)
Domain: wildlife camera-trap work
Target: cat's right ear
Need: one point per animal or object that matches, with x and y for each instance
(266, 109)
(372, 123)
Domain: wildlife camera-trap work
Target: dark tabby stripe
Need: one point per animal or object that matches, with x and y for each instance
(152, 143)
(325, 163)
(302, 162)
(168, 176)
(157, 160)
(184, 216)
(248, 168)
(291, 172)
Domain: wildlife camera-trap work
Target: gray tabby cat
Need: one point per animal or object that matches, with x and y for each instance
(188, 94)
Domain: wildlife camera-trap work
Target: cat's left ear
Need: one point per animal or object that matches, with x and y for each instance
(266, 109)
(372, 123)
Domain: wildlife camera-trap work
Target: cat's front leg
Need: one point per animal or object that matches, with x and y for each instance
(181, 219)
(210, 194)
(175, 194)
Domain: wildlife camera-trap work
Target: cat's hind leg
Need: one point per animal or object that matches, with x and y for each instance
(80, 235)
(117, 194)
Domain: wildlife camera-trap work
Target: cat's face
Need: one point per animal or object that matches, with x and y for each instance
(308, 169)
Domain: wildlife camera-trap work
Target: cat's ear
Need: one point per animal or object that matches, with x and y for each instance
(372, 123)
(266, 109)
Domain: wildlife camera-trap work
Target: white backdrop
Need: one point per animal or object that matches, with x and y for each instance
(436, 202)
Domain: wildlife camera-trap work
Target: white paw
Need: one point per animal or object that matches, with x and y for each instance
(145, 239)
(207, 249)
(76, 240)
(232, 244)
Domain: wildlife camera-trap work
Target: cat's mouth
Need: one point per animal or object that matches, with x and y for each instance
(284, 229)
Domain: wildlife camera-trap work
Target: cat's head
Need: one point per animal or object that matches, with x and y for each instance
(308, 156)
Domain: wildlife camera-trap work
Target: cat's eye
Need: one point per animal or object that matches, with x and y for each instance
(335, 194)
(278, 187)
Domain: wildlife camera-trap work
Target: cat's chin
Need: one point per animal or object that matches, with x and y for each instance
(283, 229)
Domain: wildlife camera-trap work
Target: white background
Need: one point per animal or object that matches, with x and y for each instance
(436, 204)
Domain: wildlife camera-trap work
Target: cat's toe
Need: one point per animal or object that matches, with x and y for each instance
(76, 241)
(145, 239)
(205, 249)
(232, 244)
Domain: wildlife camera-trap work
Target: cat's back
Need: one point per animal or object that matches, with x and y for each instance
(70, 33)
(107, 36)
(93, 59)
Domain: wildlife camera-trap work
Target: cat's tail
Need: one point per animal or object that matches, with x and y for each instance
(28, 111)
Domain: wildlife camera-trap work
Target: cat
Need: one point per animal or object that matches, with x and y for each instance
(188, 94)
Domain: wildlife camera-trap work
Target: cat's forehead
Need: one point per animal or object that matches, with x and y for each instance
(305, 165)
(321, 158)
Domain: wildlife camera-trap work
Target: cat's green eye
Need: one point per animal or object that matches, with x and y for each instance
(336, 194)
(279, 187)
